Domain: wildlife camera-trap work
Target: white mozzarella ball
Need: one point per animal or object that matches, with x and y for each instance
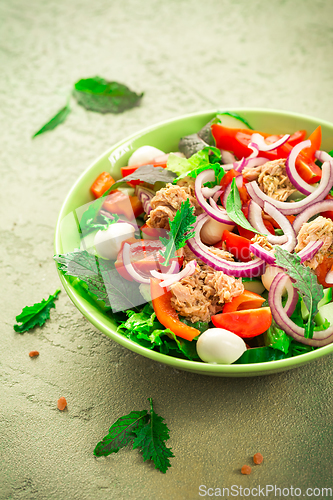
(269, 275)
(219, 346)
(144, 155)
(212, 231)
(108, 243)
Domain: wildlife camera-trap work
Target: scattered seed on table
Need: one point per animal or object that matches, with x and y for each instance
(62, 403)
(246, 469)
(258, 458)
(33, 354)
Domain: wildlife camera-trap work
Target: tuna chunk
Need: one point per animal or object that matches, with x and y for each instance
(319, 229)
(203, 294)
(168, 200)
(272, 179)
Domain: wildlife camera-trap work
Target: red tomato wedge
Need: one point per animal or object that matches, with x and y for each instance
(145, 257)
(166, 314)
(103, 182)
(237, 245)
(247, 300)
(151, 233)
(118, 202)
(322, 271)
(246, 324)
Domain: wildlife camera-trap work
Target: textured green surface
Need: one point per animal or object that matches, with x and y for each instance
(192, 56)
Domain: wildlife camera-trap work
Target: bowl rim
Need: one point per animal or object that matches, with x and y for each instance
(199, 367)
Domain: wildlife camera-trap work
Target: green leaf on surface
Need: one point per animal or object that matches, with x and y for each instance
(151, 438)
(121, 433)
(102, 96)
(37, 314)
(234, 208)
(101, 278)
(305, 281)
(181, 229)
(56, 120)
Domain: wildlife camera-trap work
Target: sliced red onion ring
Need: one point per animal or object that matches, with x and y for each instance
(316, 208)
(320, 338)
(256, 221)
(173, 268)
(250, 269)
(227, 157)
(205, 176)
(217, 195)
(263, 254)
(174, 278)
(289, 208)
(310, 250)
(284, 224)
(323, 156)
(294, 177)
(110, 216)
(208, 192)
(145, 195)
(259, 140)
(239, 184)
(129, 266)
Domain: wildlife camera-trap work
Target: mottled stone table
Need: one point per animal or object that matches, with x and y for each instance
(186, 56)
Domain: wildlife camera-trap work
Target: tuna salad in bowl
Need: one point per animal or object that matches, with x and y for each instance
(206, 242)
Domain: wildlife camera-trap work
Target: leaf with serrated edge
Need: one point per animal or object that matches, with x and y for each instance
(121, 433)
(37, 314)
(304, 280)
(151, 441)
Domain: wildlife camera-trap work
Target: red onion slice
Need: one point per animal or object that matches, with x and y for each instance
(260, 143)
(250, 269)
(289, 208)
(294, 177)
(173, 268)
(145, 195)
(329, 277)
(174, 278)
(129, 266)
(256, 221)
(284, 224)
(209, 192)
(323, 156)
(316, 208)
(310, 250)
(206, 176)
(258, 251)
(320, 338)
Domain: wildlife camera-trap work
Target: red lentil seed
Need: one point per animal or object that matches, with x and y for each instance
(62, 403)
(258, 458)
(246, 469)
(33, 354)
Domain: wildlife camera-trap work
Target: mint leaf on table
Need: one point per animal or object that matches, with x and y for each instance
(305, 281)
(56, 120)
(181, 229)
(37, 314)
(234, 208)
(103, 96)
(102, 279)
(121, 433)
(150, 439)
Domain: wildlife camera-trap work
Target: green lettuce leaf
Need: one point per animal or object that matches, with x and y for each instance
(98, 94)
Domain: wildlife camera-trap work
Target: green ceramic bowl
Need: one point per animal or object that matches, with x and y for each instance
(165, 136)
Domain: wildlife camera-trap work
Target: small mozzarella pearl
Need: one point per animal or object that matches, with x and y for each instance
(219, 346)
(144, 155)
(108, 243)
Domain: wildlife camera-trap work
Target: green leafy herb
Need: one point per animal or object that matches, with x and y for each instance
(101, 278)
(93, 222)
(146, 173)
(234, 208)
(147, 431)
(305, 281)
(98, 94)
(181, 229)
(260, 355)
(202, 159)
(234, 115)
(121, 433)
(191, 144)
(37, 314)
(57, 119)
(277, 339)
(151, 441)
(278, 232)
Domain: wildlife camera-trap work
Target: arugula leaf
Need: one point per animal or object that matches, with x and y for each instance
(234, 208)
(305, 281)
(121, 433)
(98, 94)
(181, 229)
(102, 279)
(37, 314)
(56, 120)
(151, 441)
